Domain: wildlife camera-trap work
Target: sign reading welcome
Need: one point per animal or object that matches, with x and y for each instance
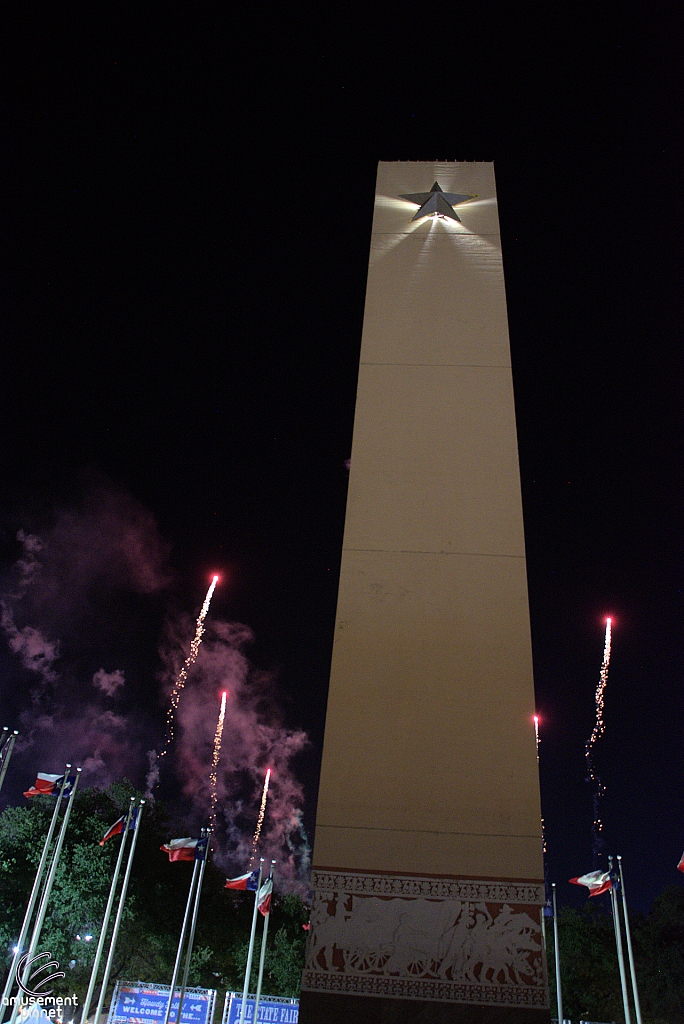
(143, 1003)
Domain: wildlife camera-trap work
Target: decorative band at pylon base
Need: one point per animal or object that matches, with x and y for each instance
(475, 941)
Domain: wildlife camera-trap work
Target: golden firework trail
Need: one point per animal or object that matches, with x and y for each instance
(536, 737)
(187, 665)
(536, 734)
(262, 811)
(597, 732)
(218, 736)
(547, 901)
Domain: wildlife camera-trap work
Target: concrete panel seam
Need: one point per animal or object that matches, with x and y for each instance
(416, 551)
(460, 366)
(432, 832)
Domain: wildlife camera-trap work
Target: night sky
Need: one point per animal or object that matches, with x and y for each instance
(187, 219)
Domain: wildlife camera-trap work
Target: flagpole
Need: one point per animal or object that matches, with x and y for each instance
(262, 955)
(34, 896)
(119, 915)
(105, 920)
(42, 908)
(618, 943)
(248, 970)
(632, 970)
(6, 753)
(181, 942)
(193, 923)
(556, 949)
(4, 741)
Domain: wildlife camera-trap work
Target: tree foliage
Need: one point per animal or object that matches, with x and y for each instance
(284, 958)
(589, 969)
(158, 893)
(154, 908)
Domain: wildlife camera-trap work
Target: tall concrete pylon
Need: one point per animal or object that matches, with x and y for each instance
(427, 865)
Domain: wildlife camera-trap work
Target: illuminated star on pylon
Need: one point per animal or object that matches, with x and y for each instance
(436, 203)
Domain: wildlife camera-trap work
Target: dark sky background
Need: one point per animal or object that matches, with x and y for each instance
(187, 216)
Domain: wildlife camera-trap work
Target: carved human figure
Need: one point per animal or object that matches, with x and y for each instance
(476, 941)
(454, 947)
(500, 947)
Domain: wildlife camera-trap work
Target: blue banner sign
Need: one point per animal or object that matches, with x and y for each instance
(144, 1004)
(272, 1009)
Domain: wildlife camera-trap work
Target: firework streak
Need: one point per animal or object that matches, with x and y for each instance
(597, 733)
(262, 811)
(536, 737)
(218, 735)
(547, 887)
(187, 665)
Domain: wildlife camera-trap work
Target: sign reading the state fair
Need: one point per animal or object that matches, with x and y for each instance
(142, 1004)
(271, 1009)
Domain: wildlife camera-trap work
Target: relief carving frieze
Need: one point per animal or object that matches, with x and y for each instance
(442, 939)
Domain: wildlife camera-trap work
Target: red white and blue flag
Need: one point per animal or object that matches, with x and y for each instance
(48, 785)
(119, 826)
(185, 849)
(680, 866)
(264, 897)
(595, 881)
(249, 881)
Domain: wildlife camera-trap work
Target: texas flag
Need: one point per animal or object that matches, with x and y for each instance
(201, 848)
(595, 881)
(264, 897)
(248, 881)
(45, 785)
(680, 866)
(185, 849)
(119, 826)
